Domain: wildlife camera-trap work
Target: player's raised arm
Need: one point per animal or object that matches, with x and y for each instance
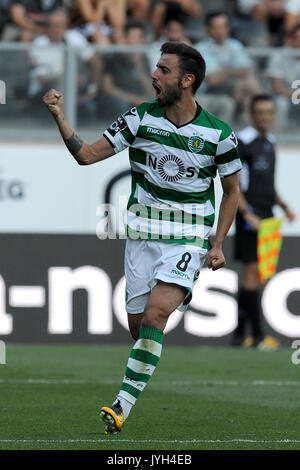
(84, 153)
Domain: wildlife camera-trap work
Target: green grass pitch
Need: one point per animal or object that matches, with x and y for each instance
(198, 398)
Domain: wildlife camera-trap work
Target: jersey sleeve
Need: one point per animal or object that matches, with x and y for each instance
(122, 132)
(227, 157)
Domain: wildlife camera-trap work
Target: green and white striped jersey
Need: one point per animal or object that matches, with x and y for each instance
(172, 197)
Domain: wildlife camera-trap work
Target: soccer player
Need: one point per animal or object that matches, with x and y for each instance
(258, 196)
(176, 149)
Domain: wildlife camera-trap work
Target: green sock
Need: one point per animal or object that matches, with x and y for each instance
(142, 362)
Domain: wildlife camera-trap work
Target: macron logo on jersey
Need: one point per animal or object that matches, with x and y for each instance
(233, 139)
(152, 130)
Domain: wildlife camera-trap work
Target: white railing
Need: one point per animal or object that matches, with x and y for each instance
(11, 121)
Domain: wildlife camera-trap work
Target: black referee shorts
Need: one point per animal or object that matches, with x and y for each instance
(245, 242)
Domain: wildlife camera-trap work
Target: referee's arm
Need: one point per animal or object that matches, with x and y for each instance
(288, 213)
(84, 153)
(244, 208)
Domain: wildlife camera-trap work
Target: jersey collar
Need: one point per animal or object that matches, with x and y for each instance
(197, 114)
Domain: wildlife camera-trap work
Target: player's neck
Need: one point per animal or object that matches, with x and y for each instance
(182, 112)
(262, 132)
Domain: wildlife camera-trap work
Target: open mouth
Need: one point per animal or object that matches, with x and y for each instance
(157, 89)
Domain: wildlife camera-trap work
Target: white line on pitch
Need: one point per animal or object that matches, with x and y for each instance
(161, 441)
(276, 383)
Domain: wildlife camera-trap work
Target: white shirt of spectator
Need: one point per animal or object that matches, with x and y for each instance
(50, 62)
(284, 66)
(246, 6)
(293, 6)
(231, 54)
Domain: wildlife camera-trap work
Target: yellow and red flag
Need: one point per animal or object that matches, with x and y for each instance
(269, 241)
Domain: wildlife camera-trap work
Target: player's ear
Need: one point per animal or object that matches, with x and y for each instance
(188, 80)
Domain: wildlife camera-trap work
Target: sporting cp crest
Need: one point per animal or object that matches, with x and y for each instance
(196, 143)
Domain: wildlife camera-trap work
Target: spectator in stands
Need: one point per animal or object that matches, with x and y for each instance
(248, 23)
(24, 36)
(4, 15)
(173, 31)
(31, 15)
(259, 22)
(98, 19)
(250, 8)
(275, 15)
(292, 16)
(139, 8)
(229, 70)
(48, 67)
(283, 69)
(181, 10)
(126, 77)
(14, 64)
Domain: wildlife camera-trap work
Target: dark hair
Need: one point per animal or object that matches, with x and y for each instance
(261, 97)
(190, 60)
(169, 20)
(134, 23)
(211, 15)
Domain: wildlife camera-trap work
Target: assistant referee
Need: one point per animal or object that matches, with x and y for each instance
(258, 196)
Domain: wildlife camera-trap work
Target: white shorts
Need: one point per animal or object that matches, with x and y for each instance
(147, 261)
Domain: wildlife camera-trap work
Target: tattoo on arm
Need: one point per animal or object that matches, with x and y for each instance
(74, 144)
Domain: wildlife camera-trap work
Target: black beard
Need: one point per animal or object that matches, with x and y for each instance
(171, 96)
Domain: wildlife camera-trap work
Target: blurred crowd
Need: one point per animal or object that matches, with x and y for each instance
(253, 22)
(221, 30)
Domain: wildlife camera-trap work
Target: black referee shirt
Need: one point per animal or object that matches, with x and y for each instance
(257, 176)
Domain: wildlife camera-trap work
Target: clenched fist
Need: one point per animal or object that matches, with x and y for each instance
(215, 259)
(54, 101)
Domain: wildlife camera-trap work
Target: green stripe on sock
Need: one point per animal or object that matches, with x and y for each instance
(149, 332)
(131, 390)
(139, 377)
(144, 356)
